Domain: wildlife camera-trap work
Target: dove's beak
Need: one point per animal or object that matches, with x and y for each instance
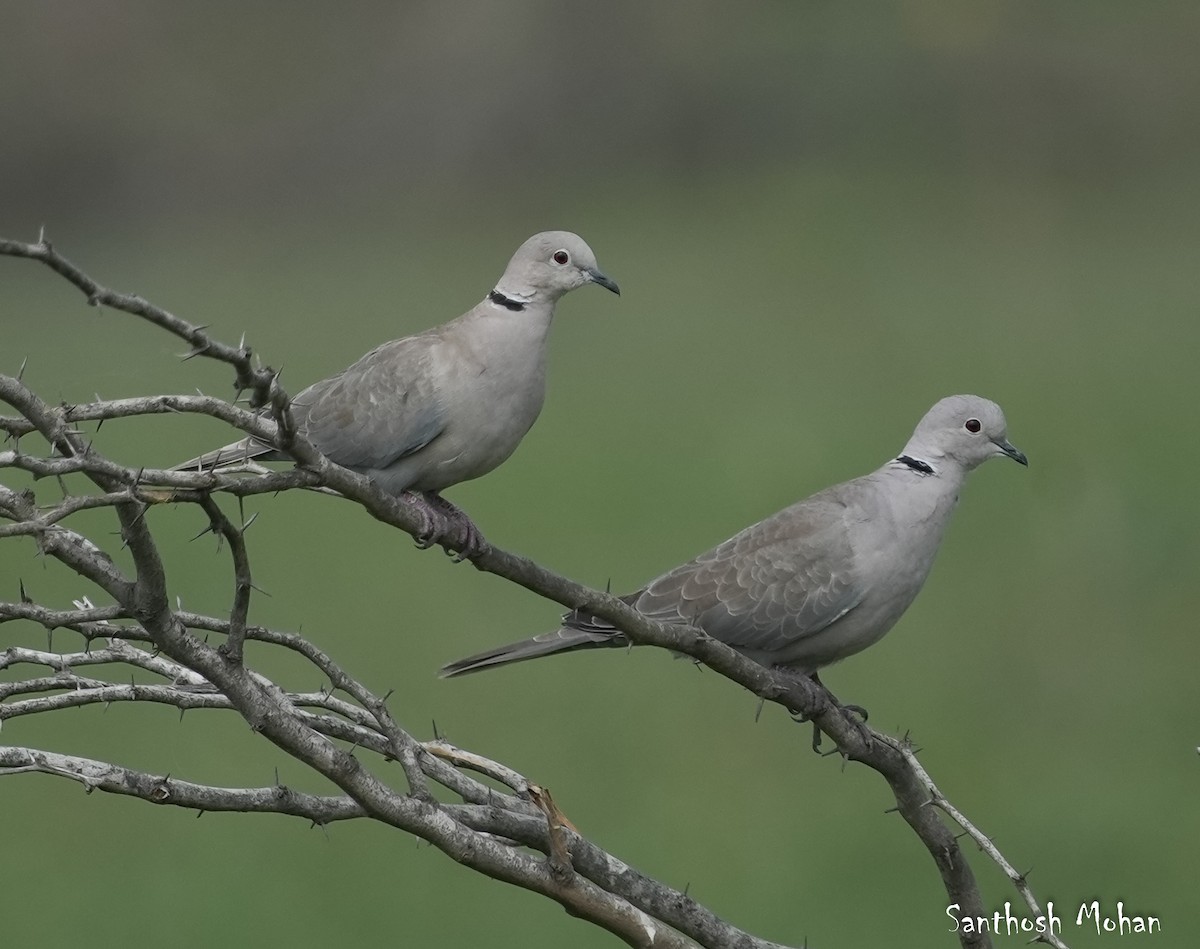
(1006, 447)
(603, 280)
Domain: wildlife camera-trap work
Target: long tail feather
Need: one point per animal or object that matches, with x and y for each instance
(231, 454)
(561, 640)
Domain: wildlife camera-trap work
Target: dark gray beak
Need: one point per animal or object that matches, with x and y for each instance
(605, 281)
(1009, 449)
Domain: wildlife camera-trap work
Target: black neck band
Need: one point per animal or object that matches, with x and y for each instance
(507, 302)
(916, 464)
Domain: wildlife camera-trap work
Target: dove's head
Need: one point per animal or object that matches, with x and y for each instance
(963, 429)
(548, 265)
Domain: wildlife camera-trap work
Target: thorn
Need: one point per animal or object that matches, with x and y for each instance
(21, 371)
(277, 776)
(436, 735)
(25, 597)
(200, 814)
(388, 695)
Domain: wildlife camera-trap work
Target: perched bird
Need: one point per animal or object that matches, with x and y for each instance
(822, 579)
(419, 414)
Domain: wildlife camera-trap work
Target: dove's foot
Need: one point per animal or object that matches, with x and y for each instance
(459, 532)
(433, 521)
(860, 723)
(856, 709)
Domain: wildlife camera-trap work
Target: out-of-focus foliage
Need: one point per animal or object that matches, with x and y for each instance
(823, 218)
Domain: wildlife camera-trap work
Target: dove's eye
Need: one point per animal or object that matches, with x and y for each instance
(972, 425)
(561, 257)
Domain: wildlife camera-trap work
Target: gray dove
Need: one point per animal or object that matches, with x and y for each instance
(419, 414)
(820, 580)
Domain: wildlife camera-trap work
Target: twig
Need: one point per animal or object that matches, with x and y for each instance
(259, 381)
(1019, 880)
(101, 776)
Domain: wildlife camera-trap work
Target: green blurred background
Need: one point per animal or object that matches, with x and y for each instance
(823, 217)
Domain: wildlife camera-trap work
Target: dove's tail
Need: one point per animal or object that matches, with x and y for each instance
(561, 640)
(234, 453)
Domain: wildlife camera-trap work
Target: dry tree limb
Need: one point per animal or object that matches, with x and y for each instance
(510, 829)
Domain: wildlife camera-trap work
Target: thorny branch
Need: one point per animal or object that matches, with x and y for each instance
(518, 835)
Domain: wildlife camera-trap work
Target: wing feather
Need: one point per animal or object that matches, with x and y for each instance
(377, 411)
(782, 579)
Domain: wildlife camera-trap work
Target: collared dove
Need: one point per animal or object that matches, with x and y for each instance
(822, 579)
(419, 414)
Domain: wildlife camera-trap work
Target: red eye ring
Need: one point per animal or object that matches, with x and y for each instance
(972, 425)
(561, 257)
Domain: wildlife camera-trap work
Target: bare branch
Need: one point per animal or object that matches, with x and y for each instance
(102, 776)
(55, 619)
(222, 526)
(1019, 880)
(253, 423)
(483, 832)
(259, 381)
(73, 549)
